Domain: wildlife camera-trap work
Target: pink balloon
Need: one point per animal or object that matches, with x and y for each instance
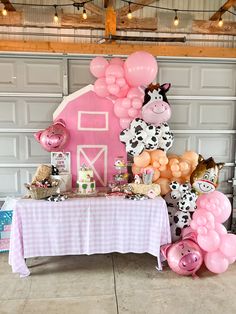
(119, 110)
(54, 138)
(121, 82)
(110, 79)
(136, 92)
(231, 260)
(204, 218)
(123, 91)
(98, 66)
(100, 87)
(115, 70)
(228, 245)
(117, 61)
(209, 242)
(126, 103)
(216, 262)
(140, 68)
(132, 112)
(113, 89)
(220, 229)
(202, 230)
(222, 208)
(125, 122)
(136, 103)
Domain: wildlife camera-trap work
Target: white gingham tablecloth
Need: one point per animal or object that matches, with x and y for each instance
(86, 226)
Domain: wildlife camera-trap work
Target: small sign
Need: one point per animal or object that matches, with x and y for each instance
(61, 160)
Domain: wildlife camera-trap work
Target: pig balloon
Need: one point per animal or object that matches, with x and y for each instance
(156, 109)
(184, 257)
(54, 138)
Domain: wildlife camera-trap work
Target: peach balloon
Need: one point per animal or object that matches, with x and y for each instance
(192, 157)
(156, 175)
(156, 154)
(176, 174)
(166, 173)
(136, 170)
(143, 160)
(174, 167)
(164, 184)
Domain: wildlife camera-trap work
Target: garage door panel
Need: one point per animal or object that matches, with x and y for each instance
(183, 115)
(171, 73)
(10, 180)
(42, 75)
(34, 152)
(220, 146)
(79, 74)
(8, 114)
(226, 173)
(8, 74)
(38, 113)
(217, 80)
(9, 147)
(182, 143)
(216, 115)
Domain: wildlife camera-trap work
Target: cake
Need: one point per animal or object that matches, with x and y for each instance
(85, 183)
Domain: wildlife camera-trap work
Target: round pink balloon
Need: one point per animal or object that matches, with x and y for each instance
(140, 68)
(228, 245)
(209, 242)
(132, 112)
(125, 122)
(126, 103)
(113, 89)
(123, 91)
(121, 82)
(54, 138)
(98, 66)
(117, 61)
(136, 92)
(119, 110)
(221, 202)
(115, 70)
(100, 87)
(231, 260)
(203, 218)
(110, 79)
(136, 103)
(216, 262)
(220, 229)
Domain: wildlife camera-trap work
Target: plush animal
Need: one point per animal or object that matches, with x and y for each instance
(42, 173)
(204, 178)
(156, 109)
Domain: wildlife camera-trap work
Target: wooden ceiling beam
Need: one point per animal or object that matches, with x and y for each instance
(94, 9)
(116, 49)
(8, 5)
(225, 7)
(123, 11)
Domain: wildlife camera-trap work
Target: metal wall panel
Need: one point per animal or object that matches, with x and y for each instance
(10, 181)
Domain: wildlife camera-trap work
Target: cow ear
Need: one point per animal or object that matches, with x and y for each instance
(200, 158)
(164, 249)
(165, 87)
(220, 165)
(38, 135)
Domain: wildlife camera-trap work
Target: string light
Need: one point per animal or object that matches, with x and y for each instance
(55, 18)
(84, 14)
(129, 15)
(176, 19)
(220, 23)
(4, 11)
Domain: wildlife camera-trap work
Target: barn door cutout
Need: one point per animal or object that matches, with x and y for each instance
(95, 157)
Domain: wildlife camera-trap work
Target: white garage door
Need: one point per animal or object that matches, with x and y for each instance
(203, 99)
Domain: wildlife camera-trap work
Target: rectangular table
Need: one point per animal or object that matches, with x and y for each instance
(86, 226)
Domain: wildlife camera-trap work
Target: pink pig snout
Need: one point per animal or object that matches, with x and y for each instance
(190, 261)
(53, 140)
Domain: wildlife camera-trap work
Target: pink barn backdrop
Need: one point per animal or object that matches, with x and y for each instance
(94, 133)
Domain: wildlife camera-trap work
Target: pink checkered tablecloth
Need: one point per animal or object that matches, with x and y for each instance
(86, 226)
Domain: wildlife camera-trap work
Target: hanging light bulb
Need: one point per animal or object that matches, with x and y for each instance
(176, 19)
(55, 18)
(84, 14)
(220, 23)
(129, 15)
(4, 11)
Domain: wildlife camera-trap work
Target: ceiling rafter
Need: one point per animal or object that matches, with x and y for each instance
(134, 7)
(93, 8)
(8, 5)
(225, 7)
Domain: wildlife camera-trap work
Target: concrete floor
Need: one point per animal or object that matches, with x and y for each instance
(110, 284)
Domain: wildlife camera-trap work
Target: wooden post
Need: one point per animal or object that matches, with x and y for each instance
(110, 21)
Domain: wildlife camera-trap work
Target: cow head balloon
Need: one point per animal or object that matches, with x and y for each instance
(54, 138)
(156, 109)
(184, 257)
(204, 178)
